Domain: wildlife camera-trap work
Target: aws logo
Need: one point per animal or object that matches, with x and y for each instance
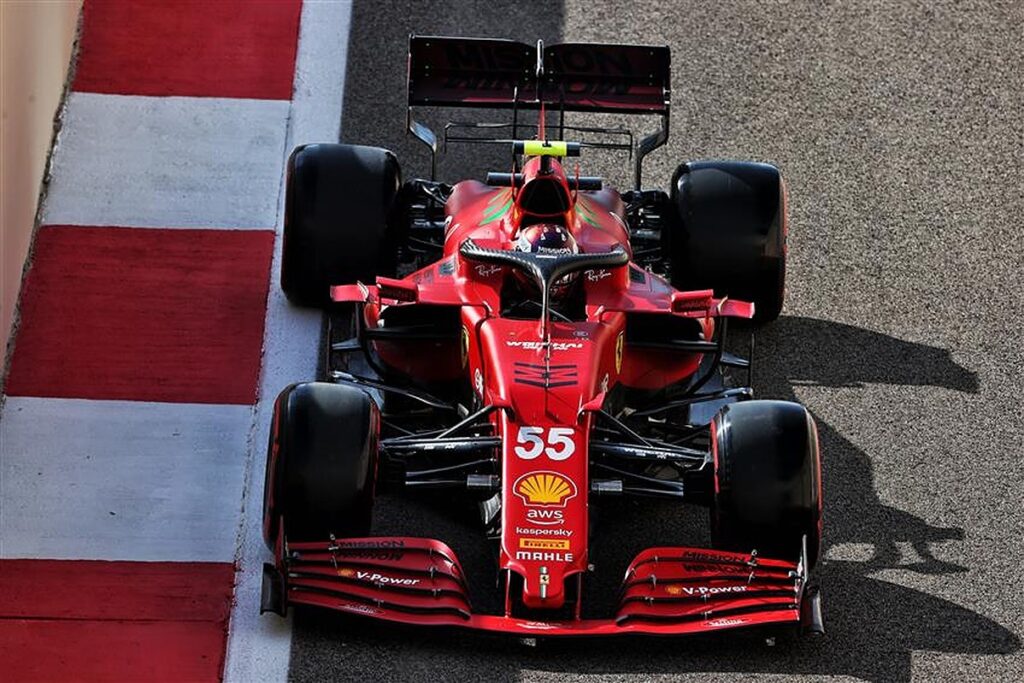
(546, 517)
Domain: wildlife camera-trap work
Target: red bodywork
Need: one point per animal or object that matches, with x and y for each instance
(545, 398)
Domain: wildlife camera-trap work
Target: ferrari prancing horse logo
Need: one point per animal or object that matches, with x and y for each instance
(620, 344)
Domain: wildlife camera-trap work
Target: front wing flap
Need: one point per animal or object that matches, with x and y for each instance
(709, 588)
(666, 591)
(415, 577)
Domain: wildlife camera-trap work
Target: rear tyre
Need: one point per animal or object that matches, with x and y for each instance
(731, 235)
(767, 472)
(339, 201)
(321, 463)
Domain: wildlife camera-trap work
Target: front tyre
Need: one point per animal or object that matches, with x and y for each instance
(321, 463)
(767, 480)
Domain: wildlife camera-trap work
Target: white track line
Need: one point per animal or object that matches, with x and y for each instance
(120, 480)
(167, 162)
(259, 647)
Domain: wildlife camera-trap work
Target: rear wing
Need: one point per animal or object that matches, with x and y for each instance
(476, 72)
(579, 77)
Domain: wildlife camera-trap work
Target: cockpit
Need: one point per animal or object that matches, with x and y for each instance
(544, 196)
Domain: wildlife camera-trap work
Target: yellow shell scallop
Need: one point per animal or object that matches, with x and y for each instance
(545, 488)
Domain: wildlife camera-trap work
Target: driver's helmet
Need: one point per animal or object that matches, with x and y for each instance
(547, 238)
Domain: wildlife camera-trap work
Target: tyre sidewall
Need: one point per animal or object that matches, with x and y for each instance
(767, 471)
(322, 464)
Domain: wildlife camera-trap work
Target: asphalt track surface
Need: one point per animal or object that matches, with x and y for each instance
(898, 128)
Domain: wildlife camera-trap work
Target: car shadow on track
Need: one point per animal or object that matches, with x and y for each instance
(798, 351)
(874, 625)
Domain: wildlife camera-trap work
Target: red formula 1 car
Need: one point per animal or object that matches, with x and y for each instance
(552, 343)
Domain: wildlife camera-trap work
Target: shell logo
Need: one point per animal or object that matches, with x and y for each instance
(673, 589)
(544, 488)
(346, 572)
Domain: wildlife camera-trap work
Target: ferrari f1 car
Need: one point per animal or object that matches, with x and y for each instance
(541, 343)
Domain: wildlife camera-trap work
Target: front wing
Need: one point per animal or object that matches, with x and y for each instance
(666, 591)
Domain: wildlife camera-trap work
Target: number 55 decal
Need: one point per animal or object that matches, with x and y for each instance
(557, 444)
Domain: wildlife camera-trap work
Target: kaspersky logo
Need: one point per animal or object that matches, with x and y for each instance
(544, 489)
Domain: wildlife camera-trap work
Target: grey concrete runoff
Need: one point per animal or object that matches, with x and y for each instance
(898, 126)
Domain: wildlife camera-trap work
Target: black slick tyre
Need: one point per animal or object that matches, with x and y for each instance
(767, 480)
(339, 201)
(321, 463)
(731, 232)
